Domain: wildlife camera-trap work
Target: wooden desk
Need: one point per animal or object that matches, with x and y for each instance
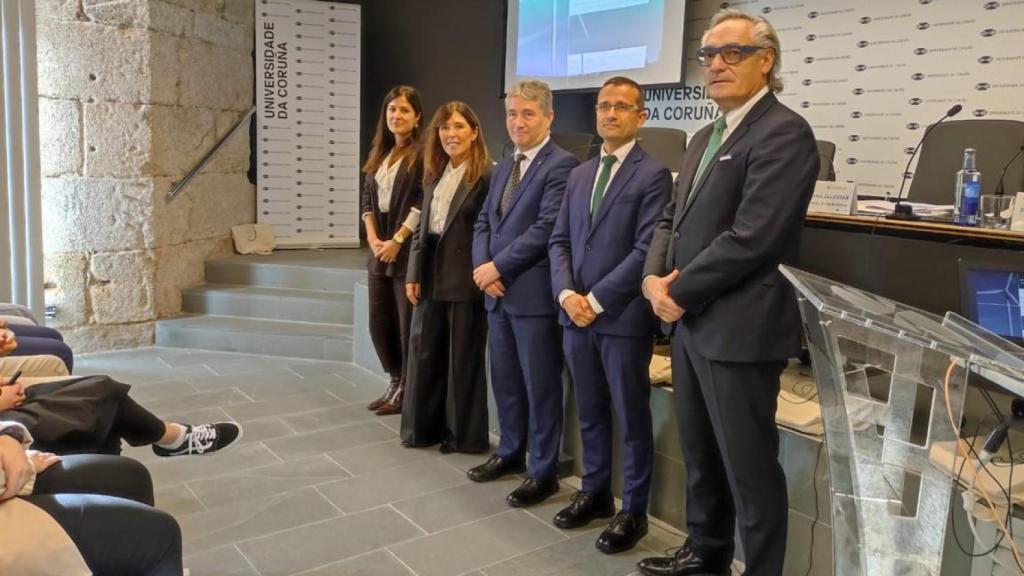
(921, 229)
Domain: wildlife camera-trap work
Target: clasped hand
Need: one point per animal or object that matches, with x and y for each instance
(656, 290)
(488, 279)
(579, 310)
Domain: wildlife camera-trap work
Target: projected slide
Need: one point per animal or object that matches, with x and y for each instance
(579, 43)
(998, 297)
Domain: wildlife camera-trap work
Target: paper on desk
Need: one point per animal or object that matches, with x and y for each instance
(881, 207)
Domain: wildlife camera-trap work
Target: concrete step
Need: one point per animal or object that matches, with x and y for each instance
(318, 306)
(257, 336)
(327, 270)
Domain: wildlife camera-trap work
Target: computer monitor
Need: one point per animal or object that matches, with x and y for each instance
(991, 294)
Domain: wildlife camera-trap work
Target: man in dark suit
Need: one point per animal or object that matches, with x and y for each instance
(597, 252)
(510, 257)
(711, 276)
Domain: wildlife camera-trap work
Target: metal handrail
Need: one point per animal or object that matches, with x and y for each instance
(209, 156)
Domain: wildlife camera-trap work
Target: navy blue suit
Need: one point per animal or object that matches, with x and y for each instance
(609, 360)
(526, 362)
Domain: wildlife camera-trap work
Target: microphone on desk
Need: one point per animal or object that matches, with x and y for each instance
(1001, 185)
(905, 212)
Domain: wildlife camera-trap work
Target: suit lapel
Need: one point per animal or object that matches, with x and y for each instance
(684, 181)
(397, 187)
(582, 199)
(460, 196)
(618, 184)
(535, 165)
(752, 116)
(501, 177)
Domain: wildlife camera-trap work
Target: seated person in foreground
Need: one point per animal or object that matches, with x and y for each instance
(80, 516)
(92, 414)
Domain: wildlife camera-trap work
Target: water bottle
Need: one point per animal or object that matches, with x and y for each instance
(968, 192)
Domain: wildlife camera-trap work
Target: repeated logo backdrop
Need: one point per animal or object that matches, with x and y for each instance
(870, 76)
(307, 100)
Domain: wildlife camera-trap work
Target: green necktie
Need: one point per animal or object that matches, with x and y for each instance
(713, 145)
(602, 183)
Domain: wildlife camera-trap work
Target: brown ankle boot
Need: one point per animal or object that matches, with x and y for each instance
(394, 403)
(395, 382)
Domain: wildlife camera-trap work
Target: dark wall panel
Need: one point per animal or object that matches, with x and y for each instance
(449, 50)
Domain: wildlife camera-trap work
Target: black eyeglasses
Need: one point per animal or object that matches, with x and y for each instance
(731, 53)
(620, 107)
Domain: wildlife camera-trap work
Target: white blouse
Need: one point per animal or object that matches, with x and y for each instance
(443, 194)
(385, 178)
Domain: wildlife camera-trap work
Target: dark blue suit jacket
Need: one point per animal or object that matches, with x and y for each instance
(606, 257)
(517, 241)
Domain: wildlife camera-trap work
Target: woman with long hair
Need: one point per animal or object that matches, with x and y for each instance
(446, 387)
(390, 207)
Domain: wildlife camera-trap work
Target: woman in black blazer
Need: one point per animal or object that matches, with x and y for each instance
(390, 207)
(446, 386)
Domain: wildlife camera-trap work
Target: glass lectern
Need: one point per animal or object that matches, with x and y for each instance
(891, 379)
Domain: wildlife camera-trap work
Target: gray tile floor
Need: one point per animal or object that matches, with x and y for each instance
(319, 486)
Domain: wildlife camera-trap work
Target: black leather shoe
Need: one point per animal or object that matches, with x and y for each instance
(495, 468)
(584, 508)
(625, 530)
(447, 447)
(532, 492)
(684, 562)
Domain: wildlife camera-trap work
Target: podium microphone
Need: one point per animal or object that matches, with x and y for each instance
(1002, 175)
(906, 212)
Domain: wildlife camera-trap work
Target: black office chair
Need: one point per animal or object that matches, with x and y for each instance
(942, 155)
(665, 145)
(826, 155)
(579, 144)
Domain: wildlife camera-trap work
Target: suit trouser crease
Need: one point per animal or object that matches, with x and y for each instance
(726, 425)
(526, 377)
(611, 373)
(390, 317)
(446, 384)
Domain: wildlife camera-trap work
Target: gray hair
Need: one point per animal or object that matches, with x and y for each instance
(534, 91)
(765, 36)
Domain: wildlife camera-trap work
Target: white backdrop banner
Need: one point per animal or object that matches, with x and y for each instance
(870, 76)
(307, 98)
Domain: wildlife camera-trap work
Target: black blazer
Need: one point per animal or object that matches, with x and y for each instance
(728, 236)
(446, 272)
(406, 195)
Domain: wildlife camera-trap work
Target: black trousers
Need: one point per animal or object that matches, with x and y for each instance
(725, 414)
(104, 503)
(446, 383)
(85, 416)
(390, 317)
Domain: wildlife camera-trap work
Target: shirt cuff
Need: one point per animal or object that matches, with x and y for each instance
(563, 295)
(643, 285)
(412, 220)
(594, 304)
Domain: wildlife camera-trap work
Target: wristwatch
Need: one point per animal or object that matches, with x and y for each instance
(398, 238)
(14, 432)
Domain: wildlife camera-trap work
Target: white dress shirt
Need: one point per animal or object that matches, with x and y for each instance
(620, 154)
(443, 194)
(734, 118)
(530, 155)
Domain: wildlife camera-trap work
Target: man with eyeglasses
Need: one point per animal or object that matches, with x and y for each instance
(597, 253)
(712, 277)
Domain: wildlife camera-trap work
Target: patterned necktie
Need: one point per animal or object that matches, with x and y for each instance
(511, 185)
(713, 145)
(602, 183)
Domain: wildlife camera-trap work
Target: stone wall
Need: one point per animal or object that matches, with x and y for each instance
(133, 93)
